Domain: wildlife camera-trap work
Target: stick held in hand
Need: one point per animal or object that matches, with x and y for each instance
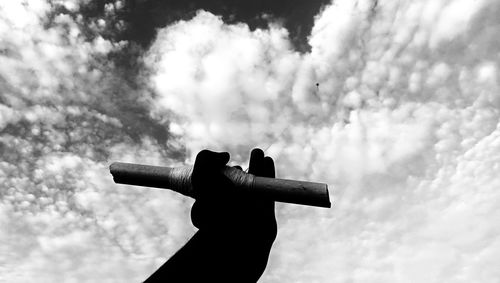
(178, 179)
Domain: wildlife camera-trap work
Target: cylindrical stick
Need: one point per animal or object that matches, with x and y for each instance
(179, 179)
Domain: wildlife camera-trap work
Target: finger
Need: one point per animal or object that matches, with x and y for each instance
(268, 167)
(262, 166)
(256, 160)
(206, 172)
(209, 160)
(238, 167)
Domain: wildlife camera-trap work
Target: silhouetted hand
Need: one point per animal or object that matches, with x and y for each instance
(219, 206)
(236, 230)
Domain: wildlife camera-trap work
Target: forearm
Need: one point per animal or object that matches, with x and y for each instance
(217, 256)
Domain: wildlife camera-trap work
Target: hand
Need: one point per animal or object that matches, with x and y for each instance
(220, 208)
(236, 230)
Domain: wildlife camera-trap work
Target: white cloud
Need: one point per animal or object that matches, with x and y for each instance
(403, 125)
(62, 218)
(454, 20)
(219, 75)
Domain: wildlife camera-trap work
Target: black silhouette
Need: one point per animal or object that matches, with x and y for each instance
(235, 233)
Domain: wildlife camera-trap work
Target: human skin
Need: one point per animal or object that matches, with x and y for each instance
(235, 232)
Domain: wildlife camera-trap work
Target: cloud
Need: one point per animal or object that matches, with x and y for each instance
(403, 126)
(66, 113)
(395, 106)
(137, 22)
(227, 76)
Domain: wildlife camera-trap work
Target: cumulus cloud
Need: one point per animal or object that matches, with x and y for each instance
(65, 113)
(226, 79)
(395, 106)
(403, 125)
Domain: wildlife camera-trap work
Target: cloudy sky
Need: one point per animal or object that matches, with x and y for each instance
(394, 104)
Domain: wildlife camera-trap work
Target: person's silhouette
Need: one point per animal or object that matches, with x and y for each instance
(235, 233)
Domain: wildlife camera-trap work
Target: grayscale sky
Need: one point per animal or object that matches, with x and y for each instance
(394, 104)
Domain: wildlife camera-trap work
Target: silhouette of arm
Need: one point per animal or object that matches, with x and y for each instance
(235, 233)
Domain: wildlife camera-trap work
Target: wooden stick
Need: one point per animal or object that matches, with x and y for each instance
(179, 179)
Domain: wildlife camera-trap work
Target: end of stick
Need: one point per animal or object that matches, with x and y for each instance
(328, 204)
(113, 167)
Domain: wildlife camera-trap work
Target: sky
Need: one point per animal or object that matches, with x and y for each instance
(394, 104)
